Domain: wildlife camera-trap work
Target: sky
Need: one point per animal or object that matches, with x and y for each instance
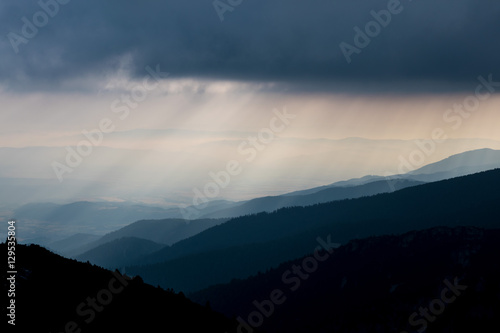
(170, 91)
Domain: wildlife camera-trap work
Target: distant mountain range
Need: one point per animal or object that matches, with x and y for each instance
(463, 164)
(150, 237)
(219, 242)
(454, 166)
(261, 241)
(26, 174)
(46, 223)
(269, 204)
(170, 231)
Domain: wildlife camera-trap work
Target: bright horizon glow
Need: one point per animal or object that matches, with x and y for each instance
(170, 140)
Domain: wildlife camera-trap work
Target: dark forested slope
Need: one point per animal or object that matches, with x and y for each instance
(54, 294)
(443, 279)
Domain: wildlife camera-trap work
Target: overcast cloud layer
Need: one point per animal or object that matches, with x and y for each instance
(264, 40)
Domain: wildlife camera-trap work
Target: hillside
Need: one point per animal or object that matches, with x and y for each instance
(119, 252)
(376, 285)
(457, 165)
(164, 231)
(460, 164)
(269, 204)
(54, 293)
(446, 201)
(264, 240)
(72, 243)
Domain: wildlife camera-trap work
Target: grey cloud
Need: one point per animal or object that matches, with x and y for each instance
(295, 41)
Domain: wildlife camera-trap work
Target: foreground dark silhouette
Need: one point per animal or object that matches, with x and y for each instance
(436, 280)
(54, 294)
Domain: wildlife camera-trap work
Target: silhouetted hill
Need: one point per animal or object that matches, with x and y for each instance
(343, 183)
(67, 245)
(457, 165)
(166, 231)
(464, 163)
(376, 285)
(119, 252)
(292, 232)
(269, 204)
(197, 271)
(449, 201)
(52, 292)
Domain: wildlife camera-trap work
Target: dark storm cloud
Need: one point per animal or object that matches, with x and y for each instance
(277, 40)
